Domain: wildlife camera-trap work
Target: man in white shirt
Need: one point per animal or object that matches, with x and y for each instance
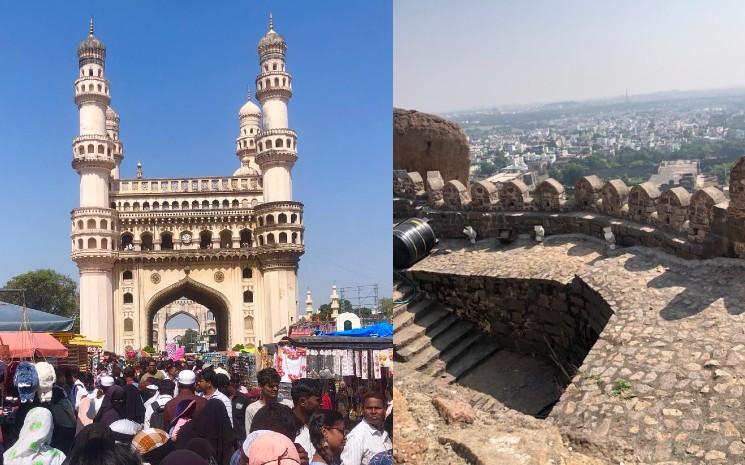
(105, 383)
(368, 438)
(306, 395)
(165, 388)
(210, 383)
(268, 380)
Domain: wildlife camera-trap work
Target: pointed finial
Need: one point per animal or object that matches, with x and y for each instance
(90, 27)
(248, 92)
(271, 22)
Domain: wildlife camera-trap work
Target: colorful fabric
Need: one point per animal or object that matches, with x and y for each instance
(291, 363)
(32, 447)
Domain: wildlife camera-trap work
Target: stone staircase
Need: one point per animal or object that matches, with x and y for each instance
(432, 340)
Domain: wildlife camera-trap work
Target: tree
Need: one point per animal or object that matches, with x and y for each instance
(386, 307)
(46, 290)
(191, 336)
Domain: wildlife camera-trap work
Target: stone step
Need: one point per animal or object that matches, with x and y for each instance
(399, 309)
(414, 346)
(437, 367)
(471, 358)
(428, 325)
(443, 339)
(406, 316)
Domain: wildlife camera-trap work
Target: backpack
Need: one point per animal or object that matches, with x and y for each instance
(156, 419)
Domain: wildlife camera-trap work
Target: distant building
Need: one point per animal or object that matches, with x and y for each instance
(674, 173)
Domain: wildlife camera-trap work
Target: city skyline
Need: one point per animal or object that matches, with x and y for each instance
(178, 95)
(497, 54)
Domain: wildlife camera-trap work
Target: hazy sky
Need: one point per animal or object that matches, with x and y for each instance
(179, 72)
(473, 53)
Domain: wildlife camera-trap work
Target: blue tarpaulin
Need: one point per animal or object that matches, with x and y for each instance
(383, 329)
(38, 321)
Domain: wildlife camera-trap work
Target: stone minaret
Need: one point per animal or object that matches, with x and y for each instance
(93, 233)
(250, 126)
(281, 234)
(112, 129)
(334, 302)
(308, 304)
(277, 144)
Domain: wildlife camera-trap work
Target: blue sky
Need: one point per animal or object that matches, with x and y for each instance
(179, 73)
(475, 53)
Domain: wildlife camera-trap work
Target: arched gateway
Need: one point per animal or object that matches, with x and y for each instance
(229, 243)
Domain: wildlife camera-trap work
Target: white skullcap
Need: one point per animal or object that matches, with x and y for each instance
(107, 381)
(186, 377)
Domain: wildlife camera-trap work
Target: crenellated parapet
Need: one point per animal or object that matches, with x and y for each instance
(549, 196)
(643, 200)
(484, 195)
(672, 209)
(702, 224)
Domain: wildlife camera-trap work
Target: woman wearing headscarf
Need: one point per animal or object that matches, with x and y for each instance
(33, 445)
(184, 457)
(64, 419)
(273, 449)
(203, 448)
(212, 424)
(112, 407)
(88, 433)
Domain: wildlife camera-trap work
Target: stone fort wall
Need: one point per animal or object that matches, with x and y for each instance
(537, 317)
(699, 225)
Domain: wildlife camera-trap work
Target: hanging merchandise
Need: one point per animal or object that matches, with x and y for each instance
(364, 364)
(290, 363)
(337, 362)
(244, 366)
(26, 380)
(376, 363)
(348, 363)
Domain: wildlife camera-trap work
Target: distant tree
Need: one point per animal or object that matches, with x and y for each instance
(46, 290)
(191, 336)
(149, 349)
(324, 312)
(386, 307)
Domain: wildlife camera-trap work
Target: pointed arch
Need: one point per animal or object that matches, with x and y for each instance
(200, 293)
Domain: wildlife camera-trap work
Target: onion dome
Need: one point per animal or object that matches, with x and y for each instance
(111, 115)
(249, 109)
(91, 45)
(245, 169)
(272, 40)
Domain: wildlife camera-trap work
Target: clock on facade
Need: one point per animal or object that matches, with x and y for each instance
(186, 238)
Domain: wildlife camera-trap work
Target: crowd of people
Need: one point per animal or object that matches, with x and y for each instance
(187, 413)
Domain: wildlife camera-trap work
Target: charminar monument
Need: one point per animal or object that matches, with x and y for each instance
(228, 244)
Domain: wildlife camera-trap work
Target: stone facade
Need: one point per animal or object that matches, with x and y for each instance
(672, 209)
(704, 224)
(229, 243)
(614, 195)
(643, 202)
(536, 317)
(434, 185)
(736, 209)
(514, 195)
(587, 193)
(549, 196)
(455, 194)
(484, 195)
(424, 142)
(701, 212)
